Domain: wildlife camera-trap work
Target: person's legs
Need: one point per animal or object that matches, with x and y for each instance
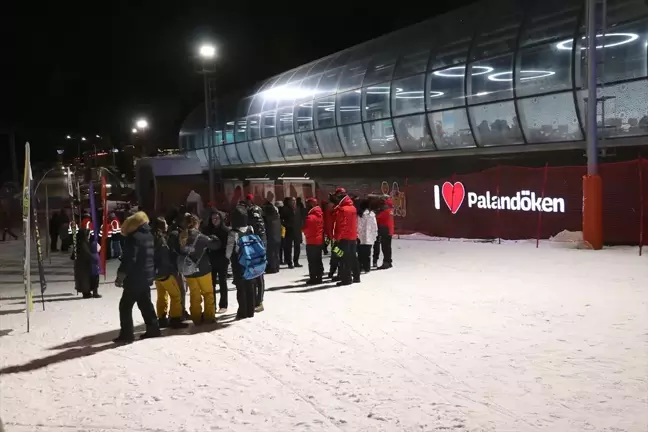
(54, 242)
(94, 286)
(126, 303)
(355, 265)
(145, 306)
(376, 252)
(386, 242)
(250, 298)
(162, 303)
(259, 293)
(319, 265)
(310, 258)
(222, 283)
(183, 293)
(207, 291)
(288, 246)
(345, 263)
(297, 250)
(334, 262)
(195, 300)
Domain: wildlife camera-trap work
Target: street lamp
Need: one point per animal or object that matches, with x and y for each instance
(207, 53)
(68, 137)
(141, 124)
(98, 136)
(134, 130)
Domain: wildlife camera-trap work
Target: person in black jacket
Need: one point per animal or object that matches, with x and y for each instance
(255, 218)
(219, 263)
(166, 282)
(291, 219)
(135, 275)
(273, 234)
(54, 228)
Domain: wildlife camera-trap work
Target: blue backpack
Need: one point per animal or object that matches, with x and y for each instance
(252, 255)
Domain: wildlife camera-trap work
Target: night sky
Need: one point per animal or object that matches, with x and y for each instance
(83, 69)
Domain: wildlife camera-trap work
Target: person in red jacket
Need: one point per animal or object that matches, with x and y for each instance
(385, 220)
(314, 233)
(345, 232)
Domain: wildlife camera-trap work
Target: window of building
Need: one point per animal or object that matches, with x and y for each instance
(543, 69)
(329, 143)
(272, 150)
(450, 129)
(353, 75)
(229, 131)
(289, 148)
(304, 116)
(412, 63)
(549, 118)
(348, 107)
(376, 101)
(329, 82)
(285, 119)
(308, 145)
(380, 135)
(254, 127)
(407, 95)
(241, 130)
(496, 124)
(232, 153)
(257, 152)
(269, 119)
(446, 88)
(325, 112)
(490, 80)
(221, 154)
(353, 140)
(380, 69)
(412, 133)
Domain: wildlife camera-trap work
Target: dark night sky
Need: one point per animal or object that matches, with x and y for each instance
(83, 70)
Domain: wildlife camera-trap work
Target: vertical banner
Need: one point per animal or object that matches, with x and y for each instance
(39, 251)
(48, 245)
(93, 211)
(73, 221)
(26, 213)
(106, 227)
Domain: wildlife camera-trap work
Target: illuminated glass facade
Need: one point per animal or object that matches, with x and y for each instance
(498, 73)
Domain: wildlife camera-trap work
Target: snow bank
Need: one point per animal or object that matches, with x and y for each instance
(458, 336)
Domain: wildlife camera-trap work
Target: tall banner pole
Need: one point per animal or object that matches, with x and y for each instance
(106, 227)
(48, 245)
(93, 212)
(26, 211)
(39, 251)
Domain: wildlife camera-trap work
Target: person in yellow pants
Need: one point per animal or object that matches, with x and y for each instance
(197, 270)
(166, 280)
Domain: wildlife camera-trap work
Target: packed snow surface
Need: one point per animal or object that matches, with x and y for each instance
(458, 336)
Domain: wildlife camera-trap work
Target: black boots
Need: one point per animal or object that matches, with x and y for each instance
(124, 338)
(95, 294)
(151, 332)
(314, 281)
(177, 323)
(164, 322)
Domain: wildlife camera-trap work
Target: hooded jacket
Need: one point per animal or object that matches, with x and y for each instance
(346, 221)
(314, 227)
(137, 269)
(197, 248)
(367, 228)
(385, 218)
(256, 221)
(272, 224)
(329, 218)
(217, 256)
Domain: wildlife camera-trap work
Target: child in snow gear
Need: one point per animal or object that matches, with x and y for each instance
(345, 232)
(194, 265)
(385, 220)
(136, 274)
(314, 233)
(246, 253)
(166, 282)
(255, 218)
(367, 234)
(216, 227)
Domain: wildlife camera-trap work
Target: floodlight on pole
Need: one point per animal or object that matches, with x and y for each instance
(68, 137)
(207, 51)
(134, 130)
(141, 124)
(83, 139)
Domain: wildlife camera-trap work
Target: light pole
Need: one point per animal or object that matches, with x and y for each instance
(141, 125)
(207, 54)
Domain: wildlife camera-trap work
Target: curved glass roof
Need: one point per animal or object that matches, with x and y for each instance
(498, 73)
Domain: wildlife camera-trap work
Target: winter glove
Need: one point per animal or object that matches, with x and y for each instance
(327, 241)
(337, 251)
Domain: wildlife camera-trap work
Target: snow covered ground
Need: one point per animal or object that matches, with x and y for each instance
(457, 337)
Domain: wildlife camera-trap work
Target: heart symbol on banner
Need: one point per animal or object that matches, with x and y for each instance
(453, 195)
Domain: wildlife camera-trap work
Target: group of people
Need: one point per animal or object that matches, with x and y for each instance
(63, 226)
(182, 253)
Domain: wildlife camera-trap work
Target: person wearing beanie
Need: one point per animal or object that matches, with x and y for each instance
(314, 233)
(345, 232)
(385, 220)
(291, 219)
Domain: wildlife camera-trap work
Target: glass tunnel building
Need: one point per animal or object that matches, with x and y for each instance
(494, 77)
